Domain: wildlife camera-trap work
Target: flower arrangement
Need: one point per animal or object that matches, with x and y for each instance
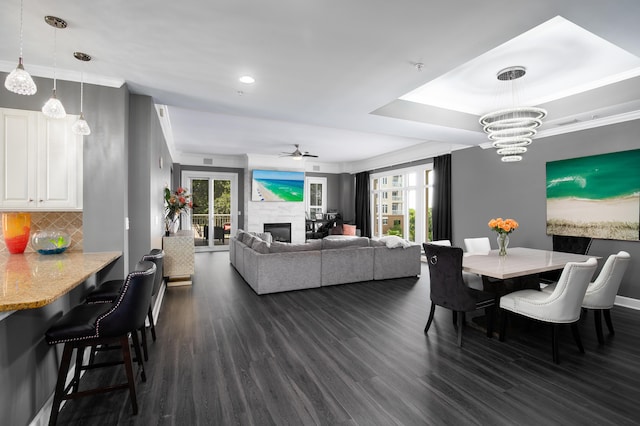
(175, 203)
(503, 226)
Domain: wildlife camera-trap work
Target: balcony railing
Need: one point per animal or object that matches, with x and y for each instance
(199, 221)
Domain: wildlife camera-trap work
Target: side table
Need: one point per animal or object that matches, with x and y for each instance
(179, 262)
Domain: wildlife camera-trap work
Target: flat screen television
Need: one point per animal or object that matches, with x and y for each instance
(277, 185)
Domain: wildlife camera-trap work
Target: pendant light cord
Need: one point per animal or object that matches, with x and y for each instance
(21, 9)
(55, 32)
(81, 90)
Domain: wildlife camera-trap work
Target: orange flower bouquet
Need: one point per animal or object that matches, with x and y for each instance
(503, 227)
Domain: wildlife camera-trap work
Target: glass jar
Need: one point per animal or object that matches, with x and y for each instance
(50, 241)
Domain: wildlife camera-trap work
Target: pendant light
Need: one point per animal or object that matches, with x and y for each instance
(19, 81)
(53, 107)
(512, 129)
(81, 127)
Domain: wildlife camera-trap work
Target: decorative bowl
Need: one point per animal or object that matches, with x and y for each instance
(50, 241)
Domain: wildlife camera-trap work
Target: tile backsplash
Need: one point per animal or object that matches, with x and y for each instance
(70, 222)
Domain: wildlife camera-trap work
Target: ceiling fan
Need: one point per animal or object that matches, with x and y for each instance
(297, 154)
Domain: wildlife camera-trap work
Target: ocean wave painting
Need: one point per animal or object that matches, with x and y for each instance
(277, 185)
(596, 196)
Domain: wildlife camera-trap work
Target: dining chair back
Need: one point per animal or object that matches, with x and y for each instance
(562, 306)
(441, 243)
(477, 245)
(449, 290)
(601, 293)
(565, 244)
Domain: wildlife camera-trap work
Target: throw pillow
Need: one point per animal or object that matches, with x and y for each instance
(336, 230)
(264, 236)
(348, 229)
(260, 246)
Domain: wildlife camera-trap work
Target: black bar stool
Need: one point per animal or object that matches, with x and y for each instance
(108, 291)
(103, 324)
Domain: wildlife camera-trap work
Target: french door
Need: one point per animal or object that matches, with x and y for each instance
(214, 216)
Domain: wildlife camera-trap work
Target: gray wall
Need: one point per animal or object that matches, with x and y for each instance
(28, 366)
(147, 146)
(484, 188)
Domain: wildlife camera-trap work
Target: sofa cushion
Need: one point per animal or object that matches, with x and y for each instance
(249, 239)
(341, 241)
(393, 241)
(260, 246)
(240, 235)
(375, 242)
(278, 247)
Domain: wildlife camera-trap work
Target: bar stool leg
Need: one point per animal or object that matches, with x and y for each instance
(152, 324)
(126, 354)
(60, 384)
(136, 348)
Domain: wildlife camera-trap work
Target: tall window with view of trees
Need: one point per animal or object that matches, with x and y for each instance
(401, 203)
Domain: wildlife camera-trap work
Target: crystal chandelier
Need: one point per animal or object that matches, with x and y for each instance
(53, 108)
(19, 81)
(81, 127)
(512, 129)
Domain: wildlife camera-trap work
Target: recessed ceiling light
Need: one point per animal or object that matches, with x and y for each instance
(247, 79)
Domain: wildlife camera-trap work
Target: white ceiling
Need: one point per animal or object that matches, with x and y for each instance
(329, 75)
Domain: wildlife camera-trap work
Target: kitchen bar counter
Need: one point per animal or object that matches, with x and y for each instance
(33, 280)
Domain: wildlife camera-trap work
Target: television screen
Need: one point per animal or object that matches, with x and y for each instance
(277, 185)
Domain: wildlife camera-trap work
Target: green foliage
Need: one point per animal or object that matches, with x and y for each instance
(200, 196)
(412, 224)
(222, 197)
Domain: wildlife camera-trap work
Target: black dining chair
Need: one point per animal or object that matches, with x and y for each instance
(565, 244)
(449, 290)
(108, 291)
(90, 325)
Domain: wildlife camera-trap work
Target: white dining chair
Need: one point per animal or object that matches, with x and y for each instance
(473, 281)
(477, 245)
(601, 293)
(562, 306)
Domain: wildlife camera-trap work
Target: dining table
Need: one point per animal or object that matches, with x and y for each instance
(518, 262)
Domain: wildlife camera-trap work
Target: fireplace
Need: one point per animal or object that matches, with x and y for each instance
(279, 231)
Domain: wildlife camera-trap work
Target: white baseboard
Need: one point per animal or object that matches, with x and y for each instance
(628, 302)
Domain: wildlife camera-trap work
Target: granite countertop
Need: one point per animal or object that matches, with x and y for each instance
(32, 280)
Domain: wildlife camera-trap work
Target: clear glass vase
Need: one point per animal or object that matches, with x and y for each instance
(503, 243)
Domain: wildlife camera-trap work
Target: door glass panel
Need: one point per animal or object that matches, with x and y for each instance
(221, 211)
(200, 211)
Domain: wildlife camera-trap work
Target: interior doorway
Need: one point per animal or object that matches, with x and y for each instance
(214, 217)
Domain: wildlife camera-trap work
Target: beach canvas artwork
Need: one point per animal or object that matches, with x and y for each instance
(277, 185)
(596, 196)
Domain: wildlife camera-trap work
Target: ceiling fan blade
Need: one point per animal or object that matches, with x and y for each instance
(309, 155)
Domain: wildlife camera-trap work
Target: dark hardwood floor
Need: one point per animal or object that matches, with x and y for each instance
(356, 354)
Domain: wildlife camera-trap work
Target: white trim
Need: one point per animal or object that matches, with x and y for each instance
(628, 302)
(189, 175)
(308, 180)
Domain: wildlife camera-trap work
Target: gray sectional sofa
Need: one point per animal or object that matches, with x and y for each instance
(274, 267)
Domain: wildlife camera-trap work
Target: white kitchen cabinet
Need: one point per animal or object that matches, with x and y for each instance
(41, 160)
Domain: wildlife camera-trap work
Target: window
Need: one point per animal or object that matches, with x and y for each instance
(407, 212)
(315, 195)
